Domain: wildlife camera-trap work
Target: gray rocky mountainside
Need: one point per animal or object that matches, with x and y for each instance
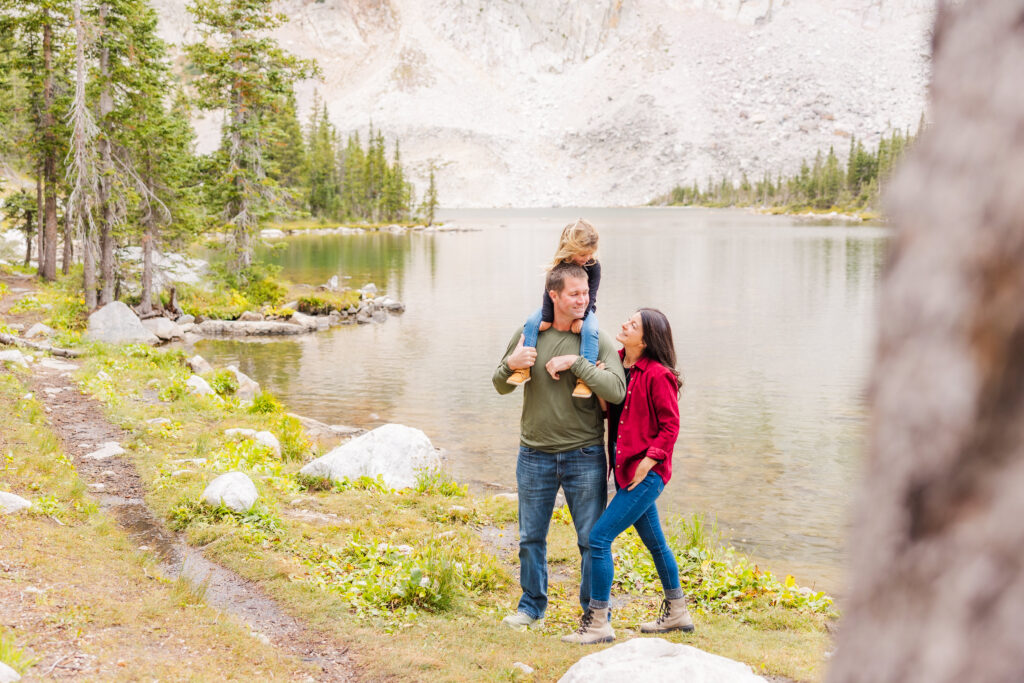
(605, 102)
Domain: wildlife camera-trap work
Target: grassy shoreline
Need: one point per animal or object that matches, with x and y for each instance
(403, 576)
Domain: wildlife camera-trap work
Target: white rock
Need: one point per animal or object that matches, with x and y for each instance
(247, 387)
(306, 322)
(10, 502)
(393, 451)
(525, 668)
(163, 328)
(115, 323)
(13, 356)
(199, 386)
(332, 284)
(268, 440)
(97, 487)
(234, 489)
(186, 319)
(186, 327)
(158, 421)
(199, 365)
(265, 438)
(271, 234)
(40, 330)
(369, 288)
(8, 675)
(655, 660)
(107, 450)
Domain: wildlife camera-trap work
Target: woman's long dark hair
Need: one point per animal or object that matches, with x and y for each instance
(657, 334)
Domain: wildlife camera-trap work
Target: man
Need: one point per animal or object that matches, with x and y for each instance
(561, 437)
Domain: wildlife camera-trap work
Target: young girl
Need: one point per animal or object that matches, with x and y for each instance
(578, 244)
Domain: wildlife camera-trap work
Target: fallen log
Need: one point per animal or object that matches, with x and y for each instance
(11, 340)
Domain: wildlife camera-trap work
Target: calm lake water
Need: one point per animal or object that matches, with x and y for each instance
(774, 329)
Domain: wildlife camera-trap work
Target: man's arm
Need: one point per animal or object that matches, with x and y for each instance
(609, 383)
(503, 371)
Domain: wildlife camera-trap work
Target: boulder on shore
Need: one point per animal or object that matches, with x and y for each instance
(8, 675)
(198, 365)
(248, 388)
(163, 328)
(115, 323)
(234, 490)
(393, 451)
(10, 502)
(655, 660)
(197, 386)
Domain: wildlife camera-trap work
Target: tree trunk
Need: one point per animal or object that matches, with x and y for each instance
(29, 219)
(937, 572)
(48, 256)
(146, 304)
(40, 214)
(69, 246)
(106, 105)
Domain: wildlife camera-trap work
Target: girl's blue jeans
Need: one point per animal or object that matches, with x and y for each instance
(588, 335)
(634, 508)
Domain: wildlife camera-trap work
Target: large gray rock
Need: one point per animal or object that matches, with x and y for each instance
(394, 451)
(40, 330)
(198, 386)
(163, 328)
(115, 323)
(8, 675)
(247, 387)
(105, 451)
(198, 365)
(234, 489)
(654, 660)
(10, 502)
(13, 356)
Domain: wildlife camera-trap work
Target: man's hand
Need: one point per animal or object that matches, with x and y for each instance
(576, 326)
(642, 471)
(559, 364)
(522, 356)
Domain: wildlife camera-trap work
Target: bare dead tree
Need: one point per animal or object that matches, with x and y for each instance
(937, 588)
(81, 166)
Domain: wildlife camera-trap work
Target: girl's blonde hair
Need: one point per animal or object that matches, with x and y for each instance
(577, 237)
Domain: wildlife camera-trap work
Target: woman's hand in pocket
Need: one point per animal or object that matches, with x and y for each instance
(642, 470)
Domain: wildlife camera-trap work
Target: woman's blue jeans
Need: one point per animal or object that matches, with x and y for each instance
(634, 508)
(588, 335)
(581, 473)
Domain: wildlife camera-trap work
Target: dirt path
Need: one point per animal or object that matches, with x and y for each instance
(79, 422)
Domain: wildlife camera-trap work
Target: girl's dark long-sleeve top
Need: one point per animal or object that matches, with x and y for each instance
(647, 421)
(593, 282)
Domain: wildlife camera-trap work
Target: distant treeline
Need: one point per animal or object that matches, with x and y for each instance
(350, 182)
(822, 184)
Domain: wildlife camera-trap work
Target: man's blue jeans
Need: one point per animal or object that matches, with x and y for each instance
(634, 508)
(589, 338)
(581, 474)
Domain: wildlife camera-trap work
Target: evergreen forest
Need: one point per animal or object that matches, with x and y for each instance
(96, 141)
(823, 184)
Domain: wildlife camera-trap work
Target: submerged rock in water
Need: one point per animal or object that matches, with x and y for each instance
(395, 452)
(233, 490)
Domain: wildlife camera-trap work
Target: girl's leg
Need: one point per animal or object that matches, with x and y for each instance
(623, 512)
(589, 338)
(532, 328)
(649, 529)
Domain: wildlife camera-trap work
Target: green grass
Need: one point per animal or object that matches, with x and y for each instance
(355, 558)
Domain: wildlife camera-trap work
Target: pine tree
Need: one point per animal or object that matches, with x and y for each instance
(247, 73)
(38, 29)
(430, 199)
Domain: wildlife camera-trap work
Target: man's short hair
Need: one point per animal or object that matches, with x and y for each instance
(559, 274)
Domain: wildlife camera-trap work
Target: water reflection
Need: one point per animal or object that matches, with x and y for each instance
(773, 323)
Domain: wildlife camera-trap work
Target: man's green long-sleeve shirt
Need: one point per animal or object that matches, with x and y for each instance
(552, 420)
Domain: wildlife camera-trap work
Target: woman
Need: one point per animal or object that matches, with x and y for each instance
(642, 432)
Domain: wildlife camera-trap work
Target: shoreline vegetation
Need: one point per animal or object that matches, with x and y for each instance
(400, 576)
(824, 187)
